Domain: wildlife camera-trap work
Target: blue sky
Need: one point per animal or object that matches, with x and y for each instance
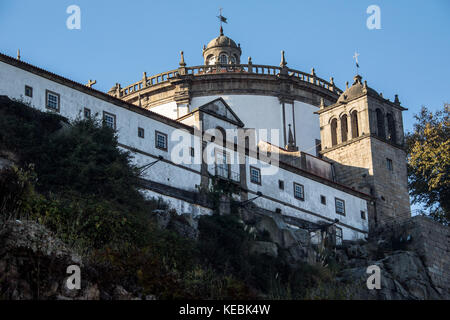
(119, 40)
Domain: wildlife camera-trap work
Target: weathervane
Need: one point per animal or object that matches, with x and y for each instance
(221, 17)
(356, 61)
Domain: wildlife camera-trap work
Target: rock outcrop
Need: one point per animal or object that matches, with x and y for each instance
(33, 266)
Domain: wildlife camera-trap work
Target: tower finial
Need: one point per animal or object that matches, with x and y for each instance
(182, 63)
(18, 54)
(221, 19)
(283, 62)
(356, 62)
(291, 142)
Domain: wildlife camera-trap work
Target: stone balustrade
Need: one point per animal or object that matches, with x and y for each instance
(204, 70)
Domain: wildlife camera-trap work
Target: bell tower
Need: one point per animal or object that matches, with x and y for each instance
(362, 133)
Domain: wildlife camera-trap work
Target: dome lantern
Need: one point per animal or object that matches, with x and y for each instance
(222, 50)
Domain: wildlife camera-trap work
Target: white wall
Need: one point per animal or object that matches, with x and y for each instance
(284, 199)
(167, 109)
(180, 206)
(265, 112)
(187, 176)
(12, 84)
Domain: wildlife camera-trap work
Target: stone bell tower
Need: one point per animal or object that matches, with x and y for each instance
(362, 133)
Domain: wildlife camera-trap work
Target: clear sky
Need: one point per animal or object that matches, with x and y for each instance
(118, 40)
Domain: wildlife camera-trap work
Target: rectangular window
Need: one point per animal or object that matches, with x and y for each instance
(255, 175)
(52, 100)
(323, 200)
(29, 91)
(192, 151)
(340, 206)
(141, 133)
(389, 164)
(363, 215)
(87, 113)
(338, 236)
(109, 120)
(161, 140)
(281, 184)
(299, 191)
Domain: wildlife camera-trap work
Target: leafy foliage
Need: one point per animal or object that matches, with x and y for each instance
(429, 162)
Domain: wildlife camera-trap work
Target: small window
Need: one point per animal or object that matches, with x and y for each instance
(52, 100)
(299, 191)
(323, 200)
(29, 91)
(109, 120)
(389, 164)
(87, 113)
(223, 59)
(161, 140)
(338, 236)
(141, 133)
(340, 206)
(363, 215)
(192, 151)
(255, 175)
(281, 184)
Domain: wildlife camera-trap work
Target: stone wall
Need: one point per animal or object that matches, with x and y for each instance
(390, 186)
(431, 241)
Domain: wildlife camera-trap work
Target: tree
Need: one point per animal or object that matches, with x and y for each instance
(429, 162)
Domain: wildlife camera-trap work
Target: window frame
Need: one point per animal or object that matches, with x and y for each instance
(281, 184)
(303, 191)
(166, 139)
(322, 197)
(84, 113)
(363, 215)
(389, 164)
(221, 56)
(336, 207)
(139, 133)
(47, 94)
(31, 90)
(105, 114)
(259, 175)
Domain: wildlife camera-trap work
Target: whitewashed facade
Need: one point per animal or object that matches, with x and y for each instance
(75, 97)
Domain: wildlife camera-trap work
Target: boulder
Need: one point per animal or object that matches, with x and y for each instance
(403, 277)
(274, 227)
(264, 247)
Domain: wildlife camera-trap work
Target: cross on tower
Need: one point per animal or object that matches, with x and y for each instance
(221, 17)
(356, 61)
